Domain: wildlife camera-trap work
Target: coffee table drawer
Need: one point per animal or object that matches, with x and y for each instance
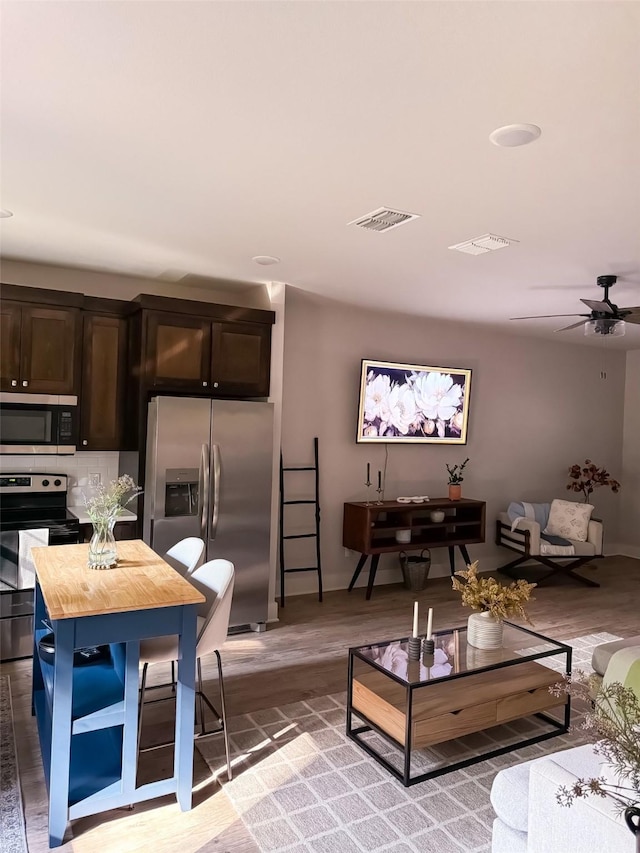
(525, 703)
(453, 724)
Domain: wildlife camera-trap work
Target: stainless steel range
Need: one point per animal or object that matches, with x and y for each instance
(33, 511)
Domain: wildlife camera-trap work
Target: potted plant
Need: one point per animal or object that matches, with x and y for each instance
(612, 724)
(455, 478)
(585, 480)
(494, 602)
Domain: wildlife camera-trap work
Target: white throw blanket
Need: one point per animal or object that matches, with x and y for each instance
(28, 539)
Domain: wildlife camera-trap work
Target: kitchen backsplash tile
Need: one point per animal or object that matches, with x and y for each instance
(77, 467)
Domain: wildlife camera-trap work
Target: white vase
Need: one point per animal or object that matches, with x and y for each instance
(484, 632)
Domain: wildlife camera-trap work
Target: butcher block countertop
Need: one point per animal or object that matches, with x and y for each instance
(141, 580)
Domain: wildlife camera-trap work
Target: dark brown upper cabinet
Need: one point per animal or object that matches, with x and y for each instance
(203, 348)
(39, 347)
(240, 361)
(104, 376)
(177, 352)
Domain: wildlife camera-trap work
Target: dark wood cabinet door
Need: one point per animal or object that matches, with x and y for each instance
(104, 355)
(241, 356)
(48, 349)
(10, 319)
(177, 352)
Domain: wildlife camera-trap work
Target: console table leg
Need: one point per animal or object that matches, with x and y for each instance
(375, 559)
(359, 567)
(452, 559)
(465, 554)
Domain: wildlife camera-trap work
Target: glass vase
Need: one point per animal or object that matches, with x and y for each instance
(102, 547)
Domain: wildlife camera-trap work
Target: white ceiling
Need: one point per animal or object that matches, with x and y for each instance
(165, 139)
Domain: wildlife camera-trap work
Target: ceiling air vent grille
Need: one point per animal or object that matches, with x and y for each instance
(481, 245)
(383, 219)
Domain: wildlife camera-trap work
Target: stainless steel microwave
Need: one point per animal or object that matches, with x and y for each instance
(38, 423)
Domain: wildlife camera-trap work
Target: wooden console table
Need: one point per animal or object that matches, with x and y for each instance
(87, 715)
(370, 529)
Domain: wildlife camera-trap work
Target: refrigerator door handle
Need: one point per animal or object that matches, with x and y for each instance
(203, 489)
(215, 494)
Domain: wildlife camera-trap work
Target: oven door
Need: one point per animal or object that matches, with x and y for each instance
(16, 600)
(38, 423)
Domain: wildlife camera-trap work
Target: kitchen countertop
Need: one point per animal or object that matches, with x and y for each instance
(81, 514)
(141, 580)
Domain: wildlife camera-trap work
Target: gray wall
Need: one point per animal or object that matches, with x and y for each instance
(630, 504)
(536, 408)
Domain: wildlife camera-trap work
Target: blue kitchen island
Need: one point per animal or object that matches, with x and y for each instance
(86, 705)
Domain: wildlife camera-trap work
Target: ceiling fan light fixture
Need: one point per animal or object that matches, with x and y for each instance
(605, 326)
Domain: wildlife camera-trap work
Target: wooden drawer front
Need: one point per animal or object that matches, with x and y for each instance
(383, 713)
(525, 703)
(454, 724)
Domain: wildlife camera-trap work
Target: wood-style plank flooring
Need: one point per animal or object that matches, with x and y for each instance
(301, 656)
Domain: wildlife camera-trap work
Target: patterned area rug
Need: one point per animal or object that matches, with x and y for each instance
(300, 785)
(12, 828)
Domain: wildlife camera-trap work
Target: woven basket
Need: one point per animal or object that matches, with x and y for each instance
(415, 570)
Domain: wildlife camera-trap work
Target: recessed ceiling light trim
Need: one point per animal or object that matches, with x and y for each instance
(265, 260)
(513, 135)
(482, 245)
(4, 213)
(383, 219)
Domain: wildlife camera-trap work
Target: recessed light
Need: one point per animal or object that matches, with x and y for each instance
(512, 135)
(4, 213)
(265, 260)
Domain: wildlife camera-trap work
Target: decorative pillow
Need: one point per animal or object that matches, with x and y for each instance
(569, 519)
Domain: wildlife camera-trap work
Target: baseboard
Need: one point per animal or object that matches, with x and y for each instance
(623, 550)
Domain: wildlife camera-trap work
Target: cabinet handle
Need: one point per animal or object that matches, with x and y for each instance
(215, 384)
(84, 441)
(204, 384)
(24, 383)
(14, 382)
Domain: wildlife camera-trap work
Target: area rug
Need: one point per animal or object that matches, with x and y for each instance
(300, 785)
(12, 827)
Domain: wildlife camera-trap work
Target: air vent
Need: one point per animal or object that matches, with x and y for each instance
(383, 219)
(481, 245)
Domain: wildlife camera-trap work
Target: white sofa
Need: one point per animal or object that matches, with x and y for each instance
(530, 819)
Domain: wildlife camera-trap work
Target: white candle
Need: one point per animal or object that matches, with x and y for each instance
(429, 623)
(415, 618)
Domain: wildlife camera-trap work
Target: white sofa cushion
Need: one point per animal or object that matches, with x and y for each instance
(590, 825)
(569, 520)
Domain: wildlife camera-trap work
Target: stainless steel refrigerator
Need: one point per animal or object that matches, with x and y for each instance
(209, 474)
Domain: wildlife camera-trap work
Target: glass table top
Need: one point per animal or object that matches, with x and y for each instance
(454, 657)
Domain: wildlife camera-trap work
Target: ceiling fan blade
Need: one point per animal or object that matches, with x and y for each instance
(572, 326)
(542, 316)
(634, 316)
(603, 307)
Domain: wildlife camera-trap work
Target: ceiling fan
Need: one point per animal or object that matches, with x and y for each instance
(605, 317)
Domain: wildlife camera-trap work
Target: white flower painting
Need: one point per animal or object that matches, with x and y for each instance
(412, 403)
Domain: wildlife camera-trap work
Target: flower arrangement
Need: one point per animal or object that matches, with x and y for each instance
(108, 503)
(613, 726)
(490, 596)
(455, 473)
(585, 480)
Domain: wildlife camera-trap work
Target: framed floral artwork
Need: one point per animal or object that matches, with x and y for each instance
(413, 403)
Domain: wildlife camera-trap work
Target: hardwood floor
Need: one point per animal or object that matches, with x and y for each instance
(301, 656)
